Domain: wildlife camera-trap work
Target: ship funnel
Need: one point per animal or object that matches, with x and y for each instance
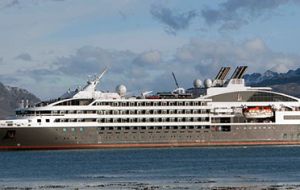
(239, 72)
(222, 73)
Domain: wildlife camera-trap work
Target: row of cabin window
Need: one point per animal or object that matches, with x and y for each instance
(47, 112)
(136, 120)
(74, 112)
(154, 127)
(73, 129)
(128, 112)
(151, 103)
(40, 120)
(138, 112)
(120, 112)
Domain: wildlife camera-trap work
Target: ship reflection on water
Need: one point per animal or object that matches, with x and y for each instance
(173, 168)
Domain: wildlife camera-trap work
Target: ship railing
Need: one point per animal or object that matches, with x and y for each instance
(10, 123)
(31, 115)
(47, 102)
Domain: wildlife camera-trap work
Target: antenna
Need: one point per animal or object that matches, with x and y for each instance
(175, 80)
(146, 93)
(91, 85)
(101, 75)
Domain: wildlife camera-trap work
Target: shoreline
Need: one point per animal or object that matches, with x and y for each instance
(146, 185)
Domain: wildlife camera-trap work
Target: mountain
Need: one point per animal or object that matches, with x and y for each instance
(11, 97)
(288, 83)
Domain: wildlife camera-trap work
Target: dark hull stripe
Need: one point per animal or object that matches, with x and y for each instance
(154, 145)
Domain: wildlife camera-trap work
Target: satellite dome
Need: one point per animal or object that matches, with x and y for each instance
(197, 83)
(121, 90)
(208, 83)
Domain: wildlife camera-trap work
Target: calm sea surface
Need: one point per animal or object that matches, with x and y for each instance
(173, 168)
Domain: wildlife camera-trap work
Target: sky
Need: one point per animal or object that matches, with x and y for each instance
(49, 46)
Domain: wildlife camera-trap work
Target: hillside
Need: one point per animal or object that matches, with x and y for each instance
(288, 82)
(10, 98)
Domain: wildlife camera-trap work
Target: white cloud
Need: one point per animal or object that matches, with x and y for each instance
(24, 57)
(207, 56)
(255, 45)
(149, 57)
(233, 14)
(149, 70)
(283, 63)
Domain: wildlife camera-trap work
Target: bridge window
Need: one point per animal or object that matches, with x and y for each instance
(265, 96)
(76, 102)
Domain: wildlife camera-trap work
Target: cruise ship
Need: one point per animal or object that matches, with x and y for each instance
(219, 112)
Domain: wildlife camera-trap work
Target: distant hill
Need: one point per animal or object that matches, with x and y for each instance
(10, 98)
(288, 83)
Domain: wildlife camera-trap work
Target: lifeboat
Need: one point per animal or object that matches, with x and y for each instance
(258, 112)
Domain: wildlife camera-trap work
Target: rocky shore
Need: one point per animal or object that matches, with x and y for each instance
(200, 185)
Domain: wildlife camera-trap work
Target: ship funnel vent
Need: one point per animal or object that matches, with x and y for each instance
(222, 73)
(239, 72)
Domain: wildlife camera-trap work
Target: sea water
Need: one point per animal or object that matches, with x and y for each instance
(167, 168)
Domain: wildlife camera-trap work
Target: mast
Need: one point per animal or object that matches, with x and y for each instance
(175, 80)
(91, 84)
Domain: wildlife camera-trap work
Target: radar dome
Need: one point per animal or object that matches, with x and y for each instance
(197, 83)
(208, 83)
(121, 90)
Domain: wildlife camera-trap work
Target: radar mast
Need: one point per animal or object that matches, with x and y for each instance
(92, 84)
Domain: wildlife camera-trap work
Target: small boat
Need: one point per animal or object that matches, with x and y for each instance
(258, 112)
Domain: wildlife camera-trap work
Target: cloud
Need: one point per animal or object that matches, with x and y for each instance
(90, 59)
(40, 74)
(24, 57)
(173, 20)
(150, 70)
(9, 3)
(255, 45)
(233, 14)
(138, 71)
(207, 56)
(6, 79)
(123, 15)
(17, 3)
(151, 57)
(135, 70)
